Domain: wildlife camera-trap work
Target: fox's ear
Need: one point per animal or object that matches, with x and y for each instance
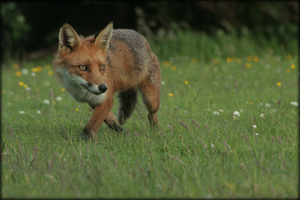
(103, 38)
(68, 37)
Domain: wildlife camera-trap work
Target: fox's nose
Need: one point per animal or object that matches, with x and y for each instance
(102, 88)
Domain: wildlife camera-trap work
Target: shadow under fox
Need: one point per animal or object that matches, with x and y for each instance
(93, 69)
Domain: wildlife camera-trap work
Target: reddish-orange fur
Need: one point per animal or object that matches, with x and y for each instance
(129, 65)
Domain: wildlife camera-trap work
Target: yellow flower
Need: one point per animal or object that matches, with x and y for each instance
(170, 94)
(39, 68)
(16, 66)
(228, 59)
(55, 102)
(18, 73)
(76, 109)
(173, 68)
(239, 60)
(50, 73)
(21, 83)
(62, 89)
(278, 84)
(250, 103)
(215, 60)
(25, 86)
(166, 63)
(288, 71)
(293, 66)
(3, 91)
(193, 60)
(289, 57)
(249, 58)
(48, 67)
(248, 65)
(186, 82)
(256, 59)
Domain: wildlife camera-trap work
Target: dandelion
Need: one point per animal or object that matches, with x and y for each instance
(46, 101)
(256, 59)
(256, 134)
(278, 84)
(239, 60)
(38, 112)
(216, 113)
(16, 66)
(267, 105)
(54, 102)
(215, 60)
(32, 74)
(173, 68)
(249, 58)
(166, 63)
(76, 109)
(39, 68)
(170, 94)
(162, 83)
(22, 112)
(21, 83)
(248, 65)
(221, 110)
(25, 71)
(294, 103)
(62, 89)
(288, 57)
(58, 98)
(261, 115)
(193, 60)
(254, 126)
(48, 67)
(186, 82)
(50, 73)
(228, 59)
(251, 103)
(236, 113)
(293, 66)
(25, 86)
(288, 71)
(18, 73)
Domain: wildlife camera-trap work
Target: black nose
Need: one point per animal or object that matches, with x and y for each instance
(102, 88)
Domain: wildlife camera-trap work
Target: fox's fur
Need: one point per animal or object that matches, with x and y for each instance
(93, 69)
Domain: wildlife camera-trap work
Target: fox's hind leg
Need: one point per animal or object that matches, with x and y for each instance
(127, 100)
(112, 122)
(150, 90)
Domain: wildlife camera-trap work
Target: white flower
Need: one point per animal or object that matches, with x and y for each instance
(8, 104)
(22, 112)
(254, 126)
(28, 97)
(267, 105)
(32, 74)
(212, 145)
(241, 111)
(28, 88)
(185, 112)
(207, 109)
(274, 110)
(256, 134)
(221, 110)
(261, 115)
(216, 113)
(38, 112)
(294, 103)
(236, 113)
(58, 98)
(162, 83)
(25, 71)
(260, 104)
(46, 101)
(47, 83)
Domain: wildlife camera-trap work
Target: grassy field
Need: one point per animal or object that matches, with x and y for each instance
(214, 90)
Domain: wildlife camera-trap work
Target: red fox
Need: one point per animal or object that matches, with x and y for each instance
(94, 68)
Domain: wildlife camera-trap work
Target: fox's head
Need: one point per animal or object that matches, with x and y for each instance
(81, 62)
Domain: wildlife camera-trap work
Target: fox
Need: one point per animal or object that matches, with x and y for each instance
(94, 68)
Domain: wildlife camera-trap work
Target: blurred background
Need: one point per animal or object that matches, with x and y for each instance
(30, 29)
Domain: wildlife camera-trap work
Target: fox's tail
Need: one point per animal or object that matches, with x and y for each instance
(127, 99)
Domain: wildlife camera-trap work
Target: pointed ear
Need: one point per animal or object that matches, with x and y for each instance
(103, 38)
(68, 37)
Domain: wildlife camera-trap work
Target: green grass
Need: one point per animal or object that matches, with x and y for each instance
(222, 158)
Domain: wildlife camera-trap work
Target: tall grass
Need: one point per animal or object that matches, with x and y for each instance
(200, 149)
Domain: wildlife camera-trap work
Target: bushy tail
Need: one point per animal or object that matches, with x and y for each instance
(127, 100)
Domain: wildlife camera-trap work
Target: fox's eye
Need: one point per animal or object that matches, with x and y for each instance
(82, 67)
(102, 67)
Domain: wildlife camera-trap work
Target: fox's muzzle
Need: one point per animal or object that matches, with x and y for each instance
(102, 88)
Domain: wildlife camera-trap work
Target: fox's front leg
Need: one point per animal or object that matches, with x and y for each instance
(99, 115)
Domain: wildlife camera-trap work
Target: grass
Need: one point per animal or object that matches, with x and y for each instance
(199, 149)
